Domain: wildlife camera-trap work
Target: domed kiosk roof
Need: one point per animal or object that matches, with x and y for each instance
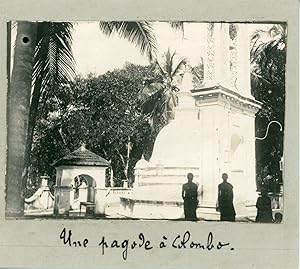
(82, 156)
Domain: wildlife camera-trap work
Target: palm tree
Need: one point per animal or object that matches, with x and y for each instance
(53, 65)
(265, 45)
(139, 33)
(43, 59)
(268, 59)
(159, 95)
(19, 93)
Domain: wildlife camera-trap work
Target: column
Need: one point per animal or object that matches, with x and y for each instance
(44, 181)
(62, 200)
(243, 60)
(82, 193)
(222, 54)
(217, 60)
(210, 52)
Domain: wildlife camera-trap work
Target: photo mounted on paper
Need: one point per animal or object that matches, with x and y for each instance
(146, 120)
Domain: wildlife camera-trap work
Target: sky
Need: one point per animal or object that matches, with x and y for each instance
(96, 53)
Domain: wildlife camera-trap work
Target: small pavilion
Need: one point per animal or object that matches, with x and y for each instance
(84, 163)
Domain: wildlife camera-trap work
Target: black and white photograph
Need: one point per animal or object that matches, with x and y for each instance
(146, 120)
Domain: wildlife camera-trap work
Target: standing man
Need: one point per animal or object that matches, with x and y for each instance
(190, 198)
(225, 200)
(264, 209)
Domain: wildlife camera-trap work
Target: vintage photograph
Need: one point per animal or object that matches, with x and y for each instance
(146, 120)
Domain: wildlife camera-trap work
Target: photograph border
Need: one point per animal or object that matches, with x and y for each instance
(37, 243)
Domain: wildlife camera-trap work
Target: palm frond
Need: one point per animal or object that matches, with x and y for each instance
(160, 107)
(171, 64)
(262, 59)
(151, 103)
(180, 67)
(107, 28)
(140, 33)
(167, 63)
(257, 75)
(177, 25)
(160, 98)
(198, 71)
(150, 90)
(173, 99)
(53, 61)
(275, 35)
(261, 54)
(266, 56)
(159, 69)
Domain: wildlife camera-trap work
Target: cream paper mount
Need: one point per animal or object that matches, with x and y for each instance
(156, 235)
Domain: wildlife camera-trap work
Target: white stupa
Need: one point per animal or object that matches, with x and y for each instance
(213, 133)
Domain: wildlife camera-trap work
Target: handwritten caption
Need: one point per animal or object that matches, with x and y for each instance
(181, 241)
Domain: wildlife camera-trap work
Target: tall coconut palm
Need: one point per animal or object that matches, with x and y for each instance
(268, 59)
(18, 104)
(53, 65)
(43, 59)
(159, 95)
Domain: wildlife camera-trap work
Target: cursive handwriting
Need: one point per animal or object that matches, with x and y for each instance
(67, 239)
(184, 241)
(140, 243)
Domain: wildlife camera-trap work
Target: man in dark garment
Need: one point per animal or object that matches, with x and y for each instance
(225, 200)
(264, 209)
(190, 198)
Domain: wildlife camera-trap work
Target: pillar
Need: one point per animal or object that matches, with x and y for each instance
(217, 59)
(44, 181)
(62, 200)
(100, 201)
(82, 193)
(243, 60)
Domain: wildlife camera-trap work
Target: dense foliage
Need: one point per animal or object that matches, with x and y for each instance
(46, 62)
(104, 113)
(268, 85)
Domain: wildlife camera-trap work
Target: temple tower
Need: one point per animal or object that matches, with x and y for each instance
(214, 128)
(227, 113)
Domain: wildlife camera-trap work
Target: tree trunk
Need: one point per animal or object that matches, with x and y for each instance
(33, 113)
(17, 116)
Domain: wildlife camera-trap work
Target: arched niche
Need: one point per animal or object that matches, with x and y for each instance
(84, 188)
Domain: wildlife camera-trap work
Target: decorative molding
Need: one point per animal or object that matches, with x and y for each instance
(233, 31)
(210, 52)
(221, 94)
